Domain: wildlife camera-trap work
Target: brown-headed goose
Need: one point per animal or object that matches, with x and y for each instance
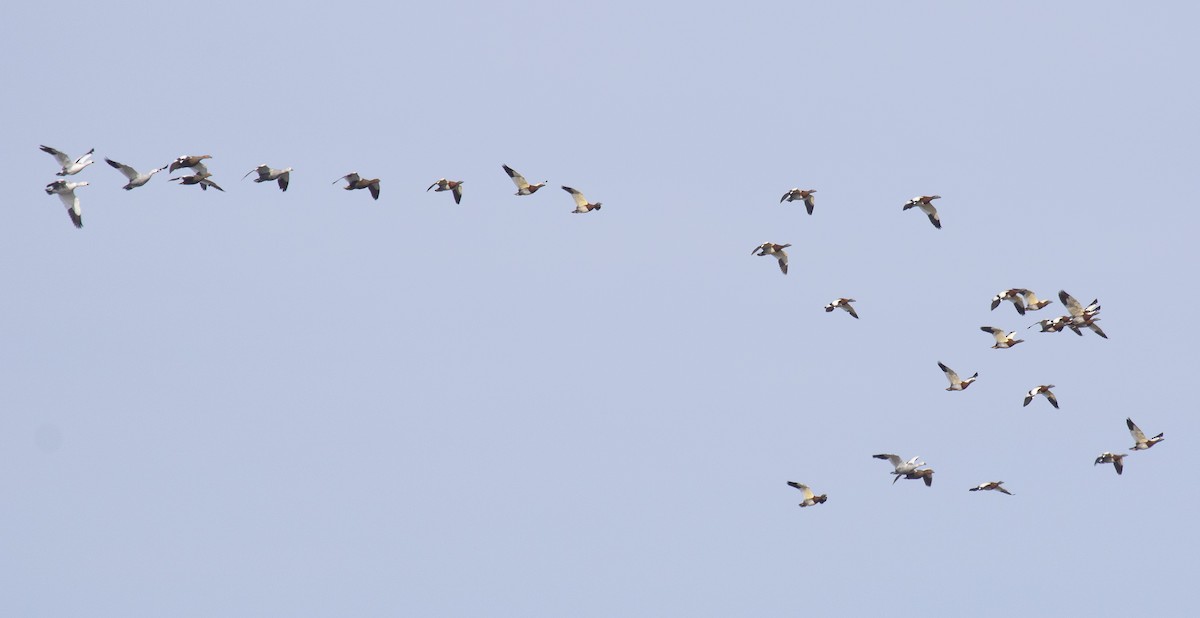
(523, 186)
(266, 173)
(1055, 325)
(198, 178)
(1003, 340)
(1140, 441)
(1081, 316)
(925, 203)
(843, 303)
(991, 486)
(69, 166)
(354, 181)
(582, 205)
(925, 474)
(956, 384)
(196, 162)
(66, 193)
(1013, 295)
(809, 498)
(1116, 459)
(135, 178)
(774, 250)
(803, 195)
(1041, 390)
(1032, 302)
(454, 186)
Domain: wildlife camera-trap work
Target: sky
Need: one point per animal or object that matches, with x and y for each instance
(255, 403)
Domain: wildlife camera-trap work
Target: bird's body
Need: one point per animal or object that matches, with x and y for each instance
(1140, 441)
(1080, 316)
(354, 181)
(1055, 325)
(843, 303)
(69, 166)
(803, 195)
(135, 178)
(201, 179)
(1003, 341)
(196, 162)
(1013, 295)
(991, 486)
(1116, 459)
(925, 474)
(523, 186)
(776, 251)
(1032, 302)
(809, 498)
(66, 192)
(956, 383)
(902, 468)
(925, 203)
(1041, 390)
(266, 173)
(454, 186)
(582, 205)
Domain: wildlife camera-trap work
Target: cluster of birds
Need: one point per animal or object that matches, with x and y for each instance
(265, 173)
(1077, 318)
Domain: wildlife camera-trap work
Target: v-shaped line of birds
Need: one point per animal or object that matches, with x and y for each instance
(203, 178)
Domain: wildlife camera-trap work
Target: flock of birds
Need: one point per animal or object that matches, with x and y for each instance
(203, 178)
(1077, 318)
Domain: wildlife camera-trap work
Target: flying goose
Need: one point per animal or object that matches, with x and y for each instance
(804, 195)
(772, 249)
(70, 166)
(1140, 441)
(454, 186)
(1052, 326)
(956, 384)
(196, 162)
(925, 474)
(902, 467)
(266, 173)
(1003, 341)
(136, 179)
(1032, 303)
(199, 178)
(1041, 390)
(354, 181)
(1080, 315)
(809, 498)
(523, 186)
(843, 303)
(1117, 460)
(1012, 294)
(990, 486)
(581, 204)
(925, 203)
(66, 193)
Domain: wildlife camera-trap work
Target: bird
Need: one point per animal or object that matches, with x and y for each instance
(196, 162)
(1012, 294)
(523, 186)
(956, 384)
(804, 195)
(925, 474)
(581, 204)
(201, 179)
(267, 173)
(770, 248)
(1078, 315)
(1041, 390)
(902, 467)
(991, 485)
(70, 166)
(1052, 326)
(1032, 303)
(66, 193)
(354, 181)
(454, 186)
(136, 179)
(1003, 341)
(1117, 460)
(843, 303)
(1140, 441)
(809, 498)
(925, 203)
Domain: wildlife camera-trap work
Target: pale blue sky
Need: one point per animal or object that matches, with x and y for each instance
(257, 403)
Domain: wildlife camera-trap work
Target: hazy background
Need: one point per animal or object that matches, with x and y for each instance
(308, 403)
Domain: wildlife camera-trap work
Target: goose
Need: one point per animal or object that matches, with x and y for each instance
(523, 186)
(196, 162)
(454, 186)
(902, 467)
(1032, 303)
(957, 384)
(70, 166)
(925, 474)
(1080, 315)
(581, 204)
(843, 303)
(991, 486)
(770, 248)
(199, 179)
(1052, 326)
(1116, 459)
(1140, 441)
(1041, 390)
(1012, 294)
(809, 498)
(1003, 341)
(66, 193)
(267, 173)
(136, 179)
(354, 181)
(804, 195)
(925, 203)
